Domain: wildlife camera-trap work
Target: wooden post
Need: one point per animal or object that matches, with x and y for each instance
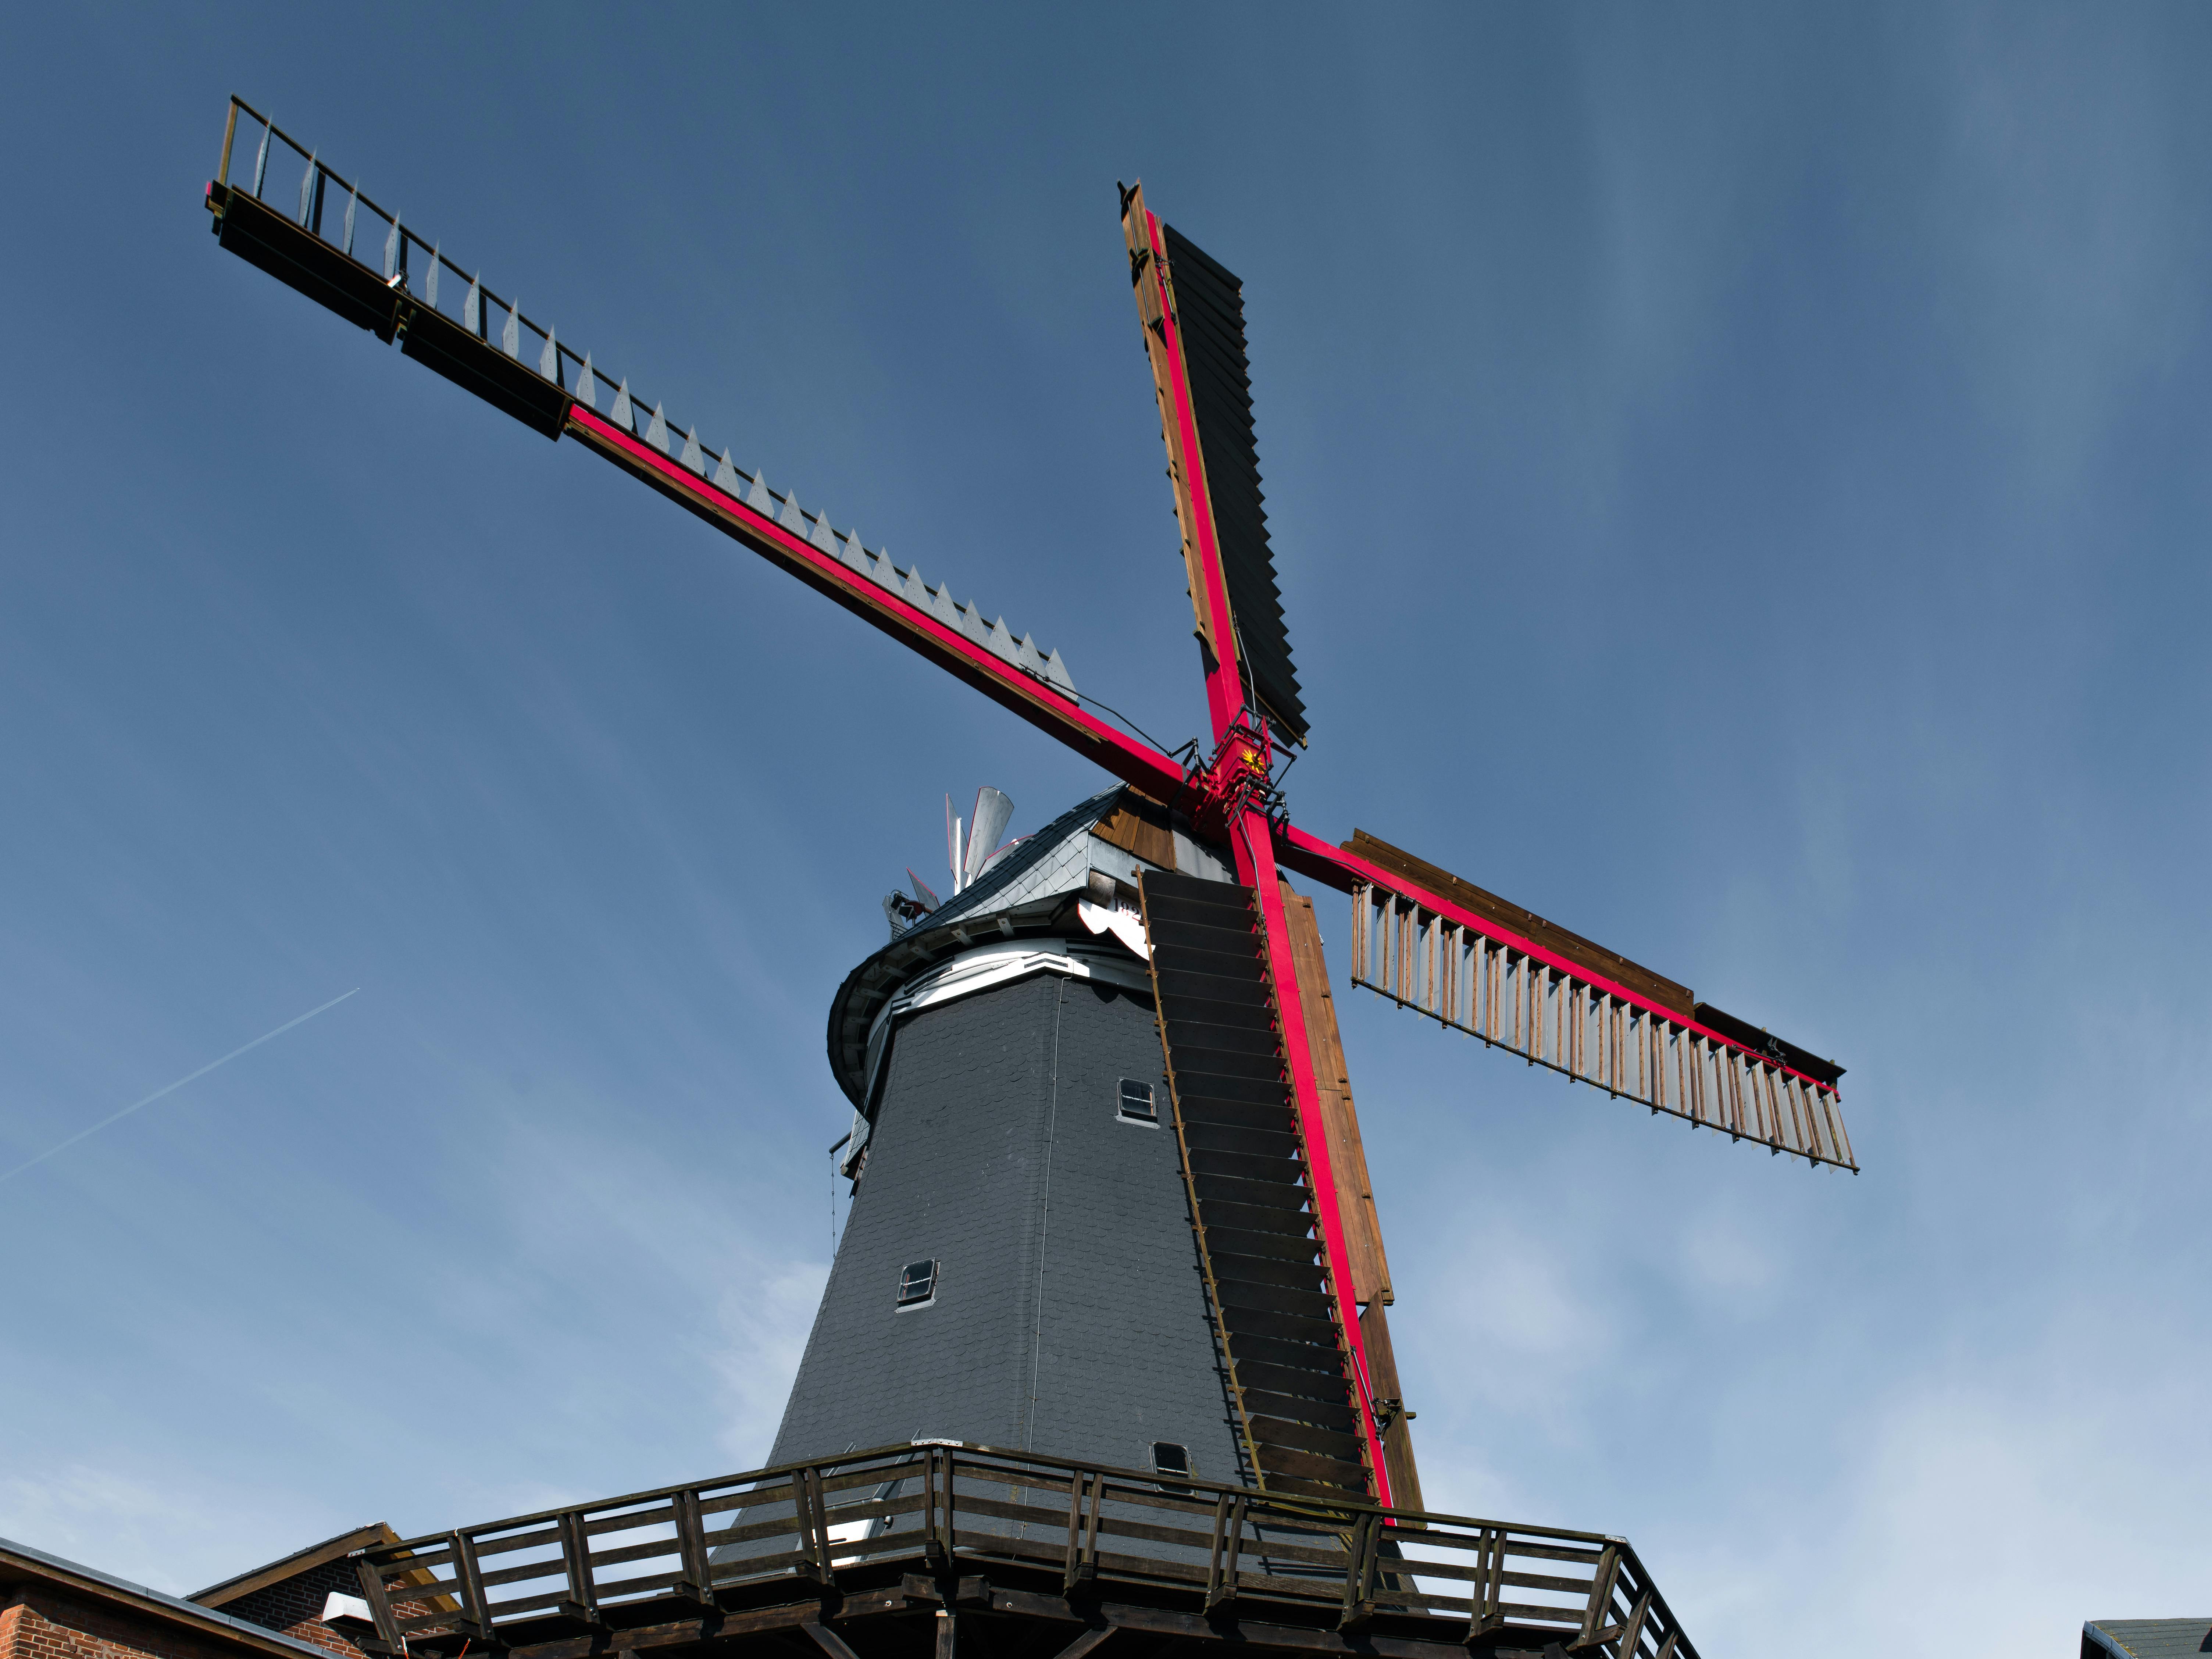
(932, 1545)
(814, 1524)
(1087, 1496)
(582, 1601)
(697, 1584)
(1360, 1551)
(1632, 1631)
(468, 1581)
(951, 1542)
(1600, 1596)
(379, 1605)
(1482, 1613)
(1229, 1529)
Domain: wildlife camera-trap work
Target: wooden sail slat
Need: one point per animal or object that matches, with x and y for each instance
(1589, 1030)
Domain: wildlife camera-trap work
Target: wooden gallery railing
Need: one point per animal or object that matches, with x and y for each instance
(1015, 1534)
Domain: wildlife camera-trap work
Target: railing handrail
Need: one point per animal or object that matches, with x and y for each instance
(1287, 1505)
(1361, 1560)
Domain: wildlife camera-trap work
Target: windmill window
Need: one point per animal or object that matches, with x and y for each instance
(1137, 1104)
(1168, 1458)
(917, 1287)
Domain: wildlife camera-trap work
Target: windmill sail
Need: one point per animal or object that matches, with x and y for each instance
(1251, 1196)
(485, 344)
(1210, 302)
(1193, 309)
(1445, 948)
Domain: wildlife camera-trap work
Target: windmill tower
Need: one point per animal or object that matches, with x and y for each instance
(1017, 1268)
(1041, 1252)
(1111, 1204)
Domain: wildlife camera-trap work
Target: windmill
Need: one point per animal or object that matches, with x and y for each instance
(1167, 896)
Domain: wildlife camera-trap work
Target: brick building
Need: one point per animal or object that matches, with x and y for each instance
(50, 1608)
(292, 1594)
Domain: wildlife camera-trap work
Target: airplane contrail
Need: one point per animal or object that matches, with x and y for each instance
(170, 1088)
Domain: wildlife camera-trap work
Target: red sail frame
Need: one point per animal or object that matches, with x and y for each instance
(1251, 835)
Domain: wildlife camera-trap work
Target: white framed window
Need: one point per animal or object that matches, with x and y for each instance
(1136, 1103)
(917, 1286)
(1169, 1458)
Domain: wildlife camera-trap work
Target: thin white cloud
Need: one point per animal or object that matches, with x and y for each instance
(177, 1536)
(765, 1315)
(2063, 216)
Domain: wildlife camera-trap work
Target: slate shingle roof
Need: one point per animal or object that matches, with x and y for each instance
(2146, 1638)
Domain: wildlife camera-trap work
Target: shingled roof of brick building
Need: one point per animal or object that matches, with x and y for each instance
(60, 1609)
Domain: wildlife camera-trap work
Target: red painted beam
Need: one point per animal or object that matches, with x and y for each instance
(1042, 705)
(1256, 867)
(1311, 856)
(1249, 837)
(1224, 680)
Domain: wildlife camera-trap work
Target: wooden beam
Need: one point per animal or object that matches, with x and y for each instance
(1042, 705)
(1397, 1434)
(315, 1555)
(1572, 946)
(1142, 827)
(1348, 1156)
(1186, 471)
(1083, 1644)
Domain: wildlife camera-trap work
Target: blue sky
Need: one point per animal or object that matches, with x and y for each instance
(1738, 481)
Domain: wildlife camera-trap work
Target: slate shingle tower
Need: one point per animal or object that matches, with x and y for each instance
(1018, 1268)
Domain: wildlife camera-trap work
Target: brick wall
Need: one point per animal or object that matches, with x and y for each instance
(40, 1624)
(293, 1606)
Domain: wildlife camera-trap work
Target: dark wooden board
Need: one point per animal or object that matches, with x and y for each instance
(1585, 953)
